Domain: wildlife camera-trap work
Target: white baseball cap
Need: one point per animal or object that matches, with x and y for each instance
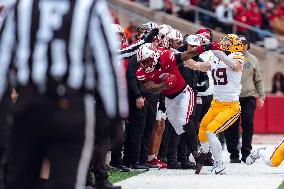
(193, 40)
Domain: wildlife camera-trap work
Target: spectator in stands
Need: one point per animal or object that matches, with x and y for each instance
(241, 16)
(278, 84)
(205, 19)
(255, 20)
(278, 25)
(280, 9)
(224, 15)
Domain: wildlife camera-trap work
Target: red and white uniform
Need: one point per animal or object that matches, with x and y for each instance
(179, 98)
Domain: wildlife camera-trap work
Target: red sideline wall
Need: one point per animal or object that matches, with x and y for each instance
(270, 119)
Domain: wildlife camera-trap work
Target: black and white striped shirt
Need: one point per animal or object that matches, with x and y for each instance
(66, 42)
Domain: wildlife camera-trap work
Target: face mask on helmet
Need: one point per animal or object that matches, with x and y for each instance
(175, 39)
(147, 57)
(231, 43)
(164, 30)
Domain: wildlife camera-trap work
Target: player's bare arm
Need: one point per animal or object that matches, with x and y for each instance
(232, 63)
(200, 66)
(189, 54)
(154, 88)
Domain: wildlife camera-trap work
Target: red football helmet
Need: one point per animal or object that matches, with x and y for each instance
(148, 56)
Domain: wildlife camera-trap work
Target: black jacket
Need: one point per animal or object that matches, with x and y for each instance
(135, 88)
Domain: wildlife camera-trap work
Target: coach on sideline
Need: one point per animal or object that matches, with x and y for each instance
(252, 84)
(56, 48)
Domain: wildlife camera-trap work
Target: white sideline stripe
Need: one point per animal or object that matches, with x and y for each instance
(87, 149)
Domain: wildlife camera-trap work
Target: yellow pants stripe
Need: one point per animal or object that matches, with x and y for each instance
(227, 123)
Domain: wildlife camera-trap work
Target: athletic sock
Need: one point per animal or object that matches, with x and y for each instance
(265, 156)
(151, 157)
(215, 147)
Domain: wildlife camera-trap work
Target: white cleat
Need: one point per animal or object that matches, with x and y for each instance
(218, 169)
(253, 156)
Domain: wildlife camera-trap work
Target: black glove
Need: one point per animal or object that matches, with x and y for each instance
(153, 33)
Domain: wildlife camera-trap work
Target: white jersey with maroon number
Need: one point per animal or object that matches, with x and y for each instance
(227, 82)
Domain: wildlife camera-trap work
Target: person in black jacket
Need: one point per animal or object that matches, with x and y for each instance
(189, 143)
(143, 107)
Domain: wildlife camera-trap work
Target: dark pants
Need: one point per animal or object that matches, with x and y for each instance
(60, 129)
(5, 106)
(108, 135)
(173, 142)
(188, 141)
(248, 105)
(138, 131)
(201, 109)
(116, 140)
(164, 143)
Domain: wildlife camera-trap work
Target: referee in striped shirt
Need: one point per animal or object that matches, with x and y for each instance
(62, 51)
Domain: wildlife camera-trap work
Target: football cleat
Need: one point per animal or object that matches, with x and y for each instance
(218, 168)
(155, 163)
(200, 162)
(253, 156)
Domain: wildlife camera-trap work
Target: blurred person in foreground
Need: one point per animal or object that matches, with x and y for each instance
(252, 85)
(56, 47)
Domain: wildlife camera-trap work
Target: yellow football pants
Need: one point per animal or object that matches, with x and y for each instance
(219, 117)
(278, 155)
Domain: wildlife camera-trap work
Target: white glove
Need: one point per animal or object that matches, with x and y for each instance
(161, 115)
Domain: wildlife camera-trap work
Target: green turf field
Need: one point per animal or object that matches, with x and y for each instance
(116, 176)
(281, 186)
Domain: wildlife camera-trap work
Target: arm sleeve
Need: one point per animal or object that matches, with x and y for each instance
(258, 81)
(131, 50)
(178, 59)
(133, 84)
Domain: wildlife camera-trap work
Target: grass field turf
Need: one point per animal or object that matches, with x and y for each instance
(281, 186)
(116, 176)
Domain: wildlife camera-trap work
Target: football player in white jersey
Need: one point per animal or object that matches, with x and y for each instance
(225, 107)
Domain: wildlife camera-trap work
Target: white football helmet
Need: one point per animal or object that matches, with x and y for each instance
(164, 31)
(120, 32)
(117, 28)
(193, 40)
(175, 38)
(148, 56)
(152, 25)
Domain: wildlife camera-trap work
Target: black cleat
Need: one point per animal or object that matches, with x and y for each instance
(140, 167)
(174, 165)
(200, 162)
(188, 165)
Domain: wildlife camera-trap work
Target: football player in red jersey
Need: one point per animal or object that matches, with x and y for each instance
(159, 73)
